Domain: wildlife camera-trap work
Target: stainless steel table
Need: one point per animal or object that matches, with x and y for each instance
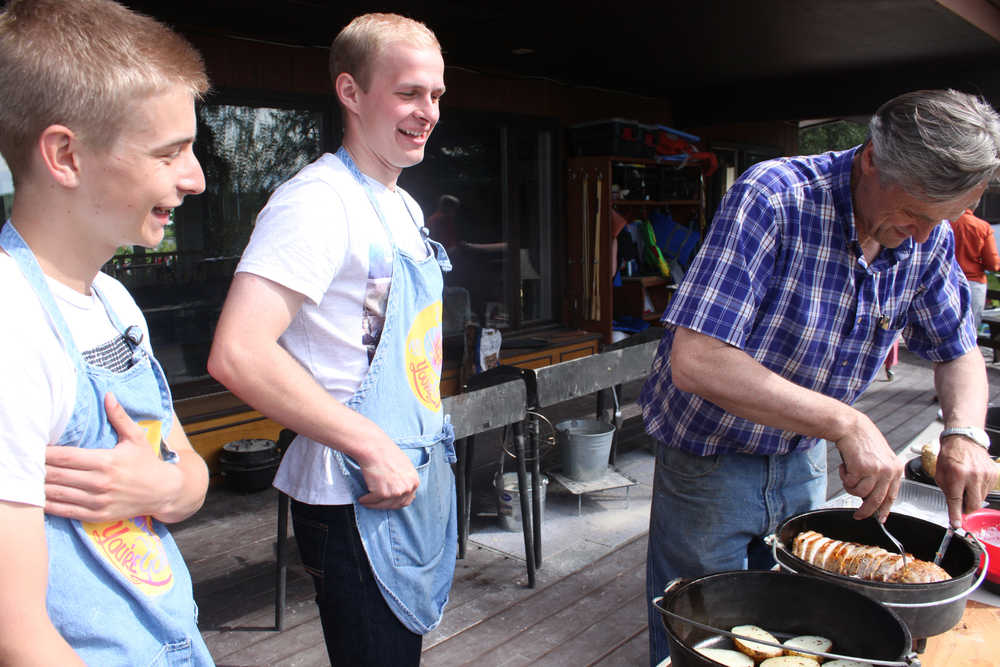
(991, 317)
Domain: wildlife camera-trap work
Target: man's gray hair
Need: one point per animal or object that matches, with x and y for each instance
(936, 144)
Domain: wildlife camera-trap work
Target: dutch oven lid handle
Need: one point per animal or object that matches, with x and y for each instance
(911, 659)
(776, 544)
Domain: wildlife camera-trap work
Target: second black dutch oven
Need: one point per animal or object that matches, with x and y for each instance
(249, 465)
(699, 613)
(927, 609)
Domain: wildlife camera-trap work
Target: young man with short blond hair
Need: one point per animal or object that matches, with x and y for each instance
(332, 327)
(97, 126)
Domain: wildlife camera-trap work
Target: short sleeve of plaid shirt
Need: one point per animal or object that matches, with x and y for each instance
(940, 325)
(721, 292)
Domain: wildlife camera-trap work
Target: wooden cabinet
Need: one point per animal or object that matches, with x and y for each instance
(644, 297)
(635, 188)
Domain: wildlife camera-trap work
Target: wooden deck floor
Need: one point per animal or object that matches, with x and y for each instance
(594, 615)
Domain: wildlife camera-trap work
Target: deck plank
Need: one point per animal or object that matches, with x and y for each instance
(618, 625)
(635, 651)
(282, 646)
(502, 623)
(581, 623)
(257, 625)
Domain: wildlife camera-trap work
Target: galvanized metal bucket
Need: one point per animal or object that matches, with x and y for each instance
(585, 446)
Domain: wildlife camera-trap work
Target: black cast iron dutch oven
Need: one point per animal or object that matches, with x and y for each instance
(249, 465)
(927, 609)
(695, 611)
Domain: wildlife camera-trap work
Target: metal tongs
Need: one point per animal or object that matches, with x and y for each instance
(892, 538)
(945, 541)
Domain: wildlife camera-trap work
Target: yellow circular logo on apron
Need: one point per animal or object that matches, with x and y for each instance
(134, 550)
(131, 546)
(424, 355)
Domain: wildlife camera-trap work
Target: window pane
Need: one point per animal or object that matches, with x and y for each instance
(485, 186)
(246, 152)
(458, 187)
(531, 208)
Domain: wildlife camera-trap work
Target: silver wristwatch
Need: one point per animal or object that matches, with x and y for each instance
(973, 433)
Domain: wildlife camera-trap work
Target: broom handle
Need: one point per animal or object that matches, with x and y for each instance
(596, 307)
(585, 248)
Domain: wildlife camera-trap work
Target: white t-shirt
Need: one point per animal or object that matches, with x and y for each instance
(319, 235)
(37, 376)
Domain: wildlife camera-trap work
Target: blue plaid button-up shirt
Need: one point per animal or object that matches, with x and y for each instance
(781, 276)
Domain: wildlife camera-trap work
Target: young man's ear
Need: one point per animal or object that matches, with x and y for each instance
(57, 147)
(348, 91)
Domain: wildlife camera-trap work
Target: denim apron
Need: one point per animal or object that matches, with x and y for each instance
(411, 550)
(118, 591)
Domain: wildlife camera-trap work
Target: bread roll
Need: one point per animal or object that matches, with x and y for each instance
(928, 460)
(789, 661)
(811, 642)
(753, 649)
(727, 657)
(928, 457)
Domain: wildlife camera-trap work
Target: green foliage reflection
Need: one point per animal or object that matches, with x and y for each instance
(836, 136)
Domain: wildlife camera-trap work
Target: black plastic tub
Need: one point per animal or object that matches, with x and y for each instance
(938, 606)
(784, 604)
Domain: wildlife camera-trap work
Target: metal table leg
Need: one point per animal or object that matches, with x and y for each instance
(522, 486)
(534, 454)
(464, 450)
(467, 471)
(607, 399)
(281, 571)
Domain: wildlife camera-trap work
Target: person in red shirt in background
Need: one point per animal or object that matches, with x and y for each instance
(976, 252)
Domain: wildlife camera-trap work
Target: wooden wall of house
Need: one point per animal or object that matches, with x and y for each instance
(782, 135)
(258, 66)
(538, 97)
(249, 65)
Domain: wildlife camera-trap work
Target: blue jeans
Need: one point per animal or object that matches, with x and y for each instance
(710, 513)
(358, 626)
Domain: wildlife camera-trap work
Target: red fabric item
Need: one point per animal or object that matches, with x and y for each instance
(893, 357)
(713, 162)
(975, 247)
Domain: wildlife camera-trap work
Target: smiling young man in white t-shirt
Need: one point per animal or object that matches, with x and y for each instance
(303, 331)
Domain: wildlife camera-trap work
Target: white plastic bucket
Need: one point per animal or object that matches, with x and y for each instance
(585, 446)
(509, 499)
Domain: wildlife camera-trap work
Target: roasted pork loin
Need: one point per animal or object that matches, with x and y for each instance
(865, 562)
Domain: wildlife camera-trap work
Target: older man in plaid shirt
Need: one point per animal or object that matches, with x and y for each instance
(813, 266)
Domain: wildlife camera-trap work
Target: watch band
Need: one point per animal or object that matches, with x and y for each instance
(974, 433)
